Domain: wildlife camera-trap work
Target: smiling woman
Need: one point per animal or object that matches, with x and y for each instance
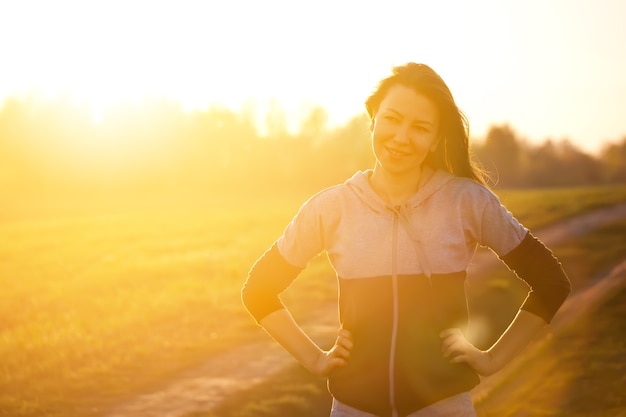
(404, 132)
(400, 238)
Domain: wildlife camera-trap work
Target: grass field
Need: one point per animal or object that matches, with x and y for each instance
(103, 297)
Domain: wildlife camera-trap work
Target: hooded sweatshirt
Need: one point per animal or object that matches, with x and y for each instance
(401, 272)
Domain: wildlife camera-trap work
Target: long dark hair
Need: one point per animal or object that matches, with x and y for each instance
(452, 153)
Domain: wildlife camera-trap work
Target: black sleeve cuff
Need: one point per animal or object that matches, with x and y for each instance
(535, 264)
(269, 276)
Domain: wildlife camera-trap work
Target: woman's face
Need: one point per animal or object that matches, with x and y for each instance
(404, 130)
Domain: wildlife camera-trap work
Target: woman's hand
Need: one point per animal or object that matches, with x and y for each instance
(337, 356)
(456, 347)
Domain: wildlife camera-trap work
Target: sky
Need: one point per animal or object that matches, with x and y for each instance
(547, 68)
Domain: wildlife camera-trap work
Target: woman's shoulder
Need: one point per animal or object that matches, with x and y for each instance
(467, 188)
(341, 190)
(332, 196)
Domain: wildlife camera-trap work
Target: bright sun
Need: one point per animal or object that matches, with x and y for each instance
(111, 52)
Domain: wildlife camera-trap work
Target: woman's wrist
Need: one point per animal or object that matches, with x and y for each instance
(311, 362)
(493, 365)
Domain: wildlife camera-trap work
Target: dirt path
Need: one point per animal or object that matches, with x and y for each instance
(244, 366)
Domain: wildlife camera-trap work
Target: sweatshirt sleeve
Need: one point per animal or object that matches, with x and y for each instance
(279, 266)
(535, 264)
(498, 229)
(270, 275)
(526, 256)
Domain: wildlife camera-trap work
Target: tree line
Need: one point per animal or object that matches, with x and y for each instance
(58, 145)
(514, 162)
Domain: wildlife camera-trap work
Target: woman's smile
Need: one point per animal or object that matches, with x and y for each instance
(404, 131)
(397, 153)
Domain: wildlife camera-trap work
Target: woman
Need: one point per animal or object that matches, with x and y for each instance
(401, 237)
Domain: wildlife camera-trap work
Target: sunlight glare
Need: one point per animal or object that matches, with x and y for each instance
(96, 116)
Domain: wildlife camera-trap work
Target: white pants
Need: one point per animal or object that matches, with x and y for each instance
(455, 406)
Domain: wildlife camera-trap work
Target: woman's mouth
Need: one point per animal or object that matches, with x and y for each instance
(397, 153)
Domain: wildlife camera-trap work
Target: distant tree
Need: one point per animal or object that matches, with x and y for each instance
(314, 125)
(578, 167)
(346, 150)
(276, 122)
(544, 168)
(561, 164)
(501, 155)
(613, 159)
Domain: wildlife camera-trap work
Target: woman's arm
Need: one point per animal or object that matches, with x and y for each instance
(269, 276)
(283, 328)
(549, 286)
(524, 328)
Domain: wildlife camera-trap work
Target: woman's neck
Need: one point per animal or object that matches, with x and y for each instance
(396, 190)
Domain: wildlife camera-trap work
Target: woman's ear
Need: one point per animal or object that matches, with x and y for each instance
(372, 125)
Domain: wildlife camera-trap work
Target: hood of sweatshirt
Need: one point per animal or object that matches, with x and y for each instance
(431, 182)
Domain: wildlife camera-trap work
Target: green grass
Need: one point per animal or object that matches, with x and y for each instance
(594, 253)
(540, 207)
(103, 298)
(92, 293)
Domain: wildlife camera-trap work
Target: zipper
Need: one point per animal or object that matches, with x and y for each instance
(397, 218)
(394, 326)
(419, 250)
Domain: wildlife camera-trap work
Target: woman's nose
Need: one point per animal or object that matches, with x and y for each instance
(401, 135)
